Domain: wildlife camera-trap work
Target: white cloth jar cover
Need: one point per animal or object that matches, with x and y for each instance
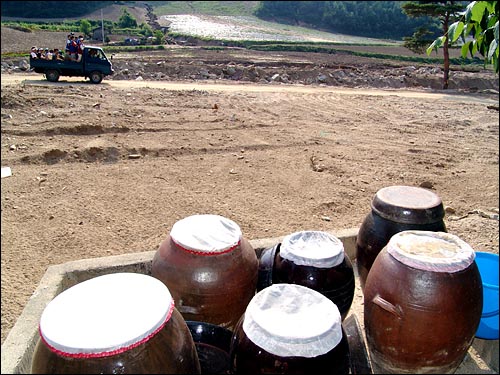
(312, 248)
(106, 315)
(291, 320)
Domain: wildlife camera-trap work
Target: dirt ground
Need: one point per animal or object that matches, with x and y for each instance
(107, 169)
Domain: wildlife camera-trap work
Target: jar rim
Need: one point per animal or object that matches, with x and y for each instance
(312, 248)
(206, 234)
(431, 251)
(292, 320)
(408, 204)
(99, 317)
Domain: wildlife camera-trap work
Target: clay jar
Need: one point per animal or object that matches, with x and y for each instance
(289, 329)
(422, 303)
(209, 267)
(395, 209)
(317, 260)
(123, 323)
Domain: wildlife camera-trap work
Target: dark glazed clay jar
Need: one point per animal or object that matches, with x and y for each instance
(395, 209)
(123, 323)
(290, 329)
(422, 303)
(209, 267)
(317, 260)
(212, 343)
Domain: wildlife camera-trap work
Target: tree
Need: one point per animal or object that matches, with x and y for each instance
(159, 37)
(126, 20)
(145, 30)
(480, 20)
(419, 41)
(445, 12)
(85, 27)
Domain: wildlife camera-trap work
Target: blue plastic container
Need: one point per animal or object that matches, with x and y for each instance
(488, 268)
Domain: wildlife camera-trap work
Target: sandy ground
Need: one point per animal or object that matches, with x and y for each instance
(107, 169)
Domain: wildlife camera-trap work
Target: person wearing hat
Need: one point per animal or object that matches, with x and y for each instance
(33, 53)
(68, 42)
(71, 48)
(79, 48)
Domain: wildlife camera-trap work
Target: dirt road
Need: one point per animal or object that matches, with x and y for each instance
(107, 169)
(37, 79)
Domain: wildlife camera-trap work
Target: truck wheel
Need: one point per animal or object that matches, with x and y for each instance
(52, 75)
(95, 77)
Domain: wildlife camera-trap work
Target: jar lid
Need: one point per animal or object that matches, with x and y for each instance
(206, 234)
(312, 248)
(106, 315)
(291, 320)
(431, 251)
(408, 204)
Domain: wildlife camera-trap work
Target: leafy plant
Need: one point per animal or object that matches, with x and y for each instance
(85, 27)
(480, 21)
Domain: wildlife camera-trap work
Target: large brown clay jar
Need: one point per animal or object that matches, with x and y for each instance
(422, 303)
(395, 209)
(209, 267)
(121, 323)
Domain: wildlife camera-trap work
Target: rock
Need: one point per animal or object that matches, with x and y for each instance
(339, 74)
(230, 71)
(134, 156)
(285, 78)
(204, 74)
(322, 78)
(426, 185)
(24, 65)
(449, 210)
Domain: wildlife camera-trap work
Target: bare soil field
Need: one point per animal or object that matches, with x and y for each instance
(107, 169)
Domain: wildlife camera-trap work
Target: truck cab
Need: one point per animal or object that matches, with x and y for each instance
(93, 65)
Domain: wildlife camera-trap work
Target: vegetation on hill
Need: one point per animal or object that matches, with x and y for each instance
(51, 9)
(375, 19)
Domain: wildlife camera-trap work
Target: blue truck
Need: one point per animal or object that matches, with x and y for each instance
(93, 65)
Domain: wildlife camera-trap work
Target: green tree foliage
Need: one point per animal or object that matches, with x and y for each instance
(145, 30)
(159, 37)
(85, 27)
(376, 19)
(445, 12)
(126, 20)
(480, 21)
(419, 41)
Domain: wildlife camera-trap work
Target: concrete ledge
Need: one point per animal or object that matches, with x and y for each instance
(19, 345)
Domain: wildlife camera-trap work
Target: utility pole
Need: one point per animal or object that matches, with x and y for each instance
(102, 28)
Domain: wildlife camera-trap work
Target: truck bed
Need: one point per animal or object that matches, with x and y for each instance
(67, 68)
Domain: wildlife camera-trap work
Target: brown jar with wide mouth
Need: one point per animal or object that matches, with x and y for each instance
(395, 209)
(209, 267)
(423, 300)
(122, 323)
